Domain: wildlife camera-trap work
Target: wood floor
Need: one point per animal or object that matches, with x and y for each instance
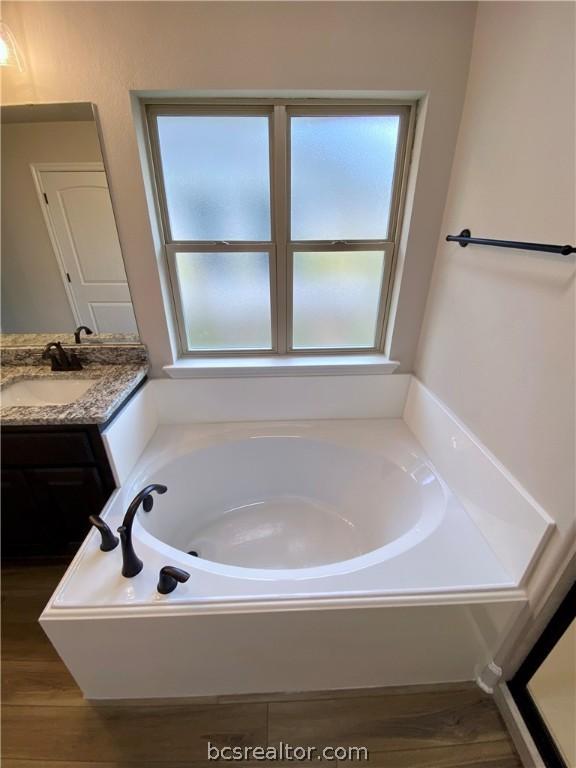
(47, 723)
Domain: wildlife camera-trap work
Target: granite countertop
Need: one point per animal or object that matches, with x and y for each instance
(41, 339)
(114, 384)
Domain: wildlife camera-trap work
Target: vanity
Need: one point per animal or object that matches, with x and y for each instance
(55, 471)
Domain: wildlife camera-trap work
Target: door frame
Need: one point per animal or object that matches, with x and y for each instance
(37, 169)
(518, 685)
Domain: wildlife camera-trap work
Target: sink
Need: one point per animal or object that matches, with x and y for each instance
(40, 392)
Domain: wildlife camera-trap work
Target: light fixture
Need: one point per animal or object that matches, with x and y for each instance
(10, 54)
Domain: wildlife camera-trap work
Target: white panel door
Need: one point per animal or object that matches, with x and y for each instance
(80, 210)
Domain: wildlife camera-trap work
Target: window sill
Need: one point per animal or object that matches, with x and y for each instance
(275, 365)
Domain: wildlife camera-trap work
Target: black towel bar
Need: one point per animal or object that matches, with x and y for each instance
(465, 238)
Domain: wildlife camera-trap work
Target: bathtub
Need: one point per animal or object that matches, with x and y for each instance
(294, 533)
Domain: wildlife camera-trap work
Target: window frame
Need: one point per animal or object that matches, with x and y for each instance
(280, 247)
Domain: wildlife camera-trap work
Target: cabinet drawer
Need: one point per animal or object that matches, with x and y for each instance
(42, 449)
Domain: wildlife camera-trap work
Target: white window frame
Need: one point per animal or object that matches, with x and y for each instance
(281, 248)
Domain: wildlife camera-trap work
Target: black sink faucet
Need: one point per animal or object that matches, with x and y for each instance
(60, 360)
(79, 330)
(131, 563)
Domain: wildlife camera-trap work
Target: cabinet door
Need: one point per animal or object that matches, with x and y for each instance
(67, 497)
(24, 527)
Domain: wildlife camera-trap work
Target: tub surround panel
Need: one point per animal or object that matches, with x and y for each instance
(514, 524)
(278, 398)
(127, 435)
(263, 652)
(114, 384)
(247, 399)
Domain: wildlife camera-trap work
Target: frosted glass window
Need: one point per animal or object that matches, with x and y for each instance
(342, 174)
(217, 176)
(336, 296)
(225, 300)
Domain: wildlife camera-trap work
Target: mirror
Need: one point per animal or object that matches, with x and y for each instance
(62, 265)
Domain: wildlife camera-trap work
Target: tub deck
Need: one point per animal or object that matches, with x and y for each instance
(451, 557)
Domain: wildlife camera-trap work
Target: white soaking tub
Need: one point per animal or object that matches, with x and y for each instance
(324, 552)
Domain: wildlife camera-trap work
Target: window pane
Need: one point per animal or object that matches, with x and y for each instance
(225, 300)
(335, 299)
(216, 176)
(342, 174)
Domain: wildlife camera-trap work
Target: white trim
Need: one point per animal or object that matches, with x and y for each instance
(65, 167)
(37, 169)
(519, 733)
(280, 365)
(280, 110)
(58, 612)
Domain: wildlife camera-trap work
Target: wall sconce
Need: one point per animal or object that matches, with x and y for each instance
(10, 54)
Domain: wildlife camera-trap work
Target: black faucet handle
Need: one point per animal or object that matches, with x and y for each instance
(169, 579)
(109, 541)
(47, 352)
(147, 498)
(54, 352)
(75, 364)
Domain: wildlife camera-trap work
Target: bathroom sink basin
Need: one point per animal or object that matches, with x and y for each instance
(39, 392)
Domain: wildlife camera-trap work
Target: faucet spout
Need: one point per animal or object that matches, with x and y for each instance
(131, 563)
(79, 330)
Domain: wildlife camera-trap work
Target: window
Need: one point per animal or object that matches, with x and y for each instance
(279, 222)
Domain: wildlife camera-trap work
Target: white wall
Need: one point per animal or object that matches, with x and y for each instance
(100, 51)
(498, 340)
(33, 296)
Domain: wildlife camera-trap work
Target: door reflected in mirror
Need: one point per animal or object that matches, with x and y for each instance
(62, 264)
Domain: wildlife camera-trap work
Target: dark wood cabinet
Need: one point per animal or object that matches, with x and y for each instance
(53, 478)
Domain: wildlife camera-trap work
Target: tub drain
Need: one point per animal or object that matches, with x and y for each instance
(193, 553)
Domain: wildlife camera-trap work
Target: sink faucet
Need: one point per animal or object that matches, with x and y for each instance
(131, 563)
(79, 330)
(60, 359)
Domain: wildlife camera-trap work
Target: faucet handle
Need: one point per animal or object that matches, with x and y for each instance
(109, 541)
(54, 352)
(169, 579)
(75, 364)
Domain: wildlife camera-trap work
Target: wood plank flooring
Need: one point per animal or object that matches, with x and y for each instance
(47, 723)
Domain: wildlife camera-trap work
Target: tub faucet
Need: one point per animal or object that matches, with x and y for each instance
(131, 563)
(169, 579)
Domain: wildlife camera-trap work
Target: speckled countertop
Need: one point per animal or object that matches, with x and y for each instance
(112, 386)
(41, 339)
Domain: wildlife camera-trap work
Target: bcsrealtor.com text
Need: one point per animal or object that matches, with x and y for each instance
(283, 751)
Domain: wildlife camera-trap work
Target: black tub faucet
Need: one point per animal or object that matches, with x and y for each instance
(131, 563)
(79, 330)
(60, 360)
(169, 579)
